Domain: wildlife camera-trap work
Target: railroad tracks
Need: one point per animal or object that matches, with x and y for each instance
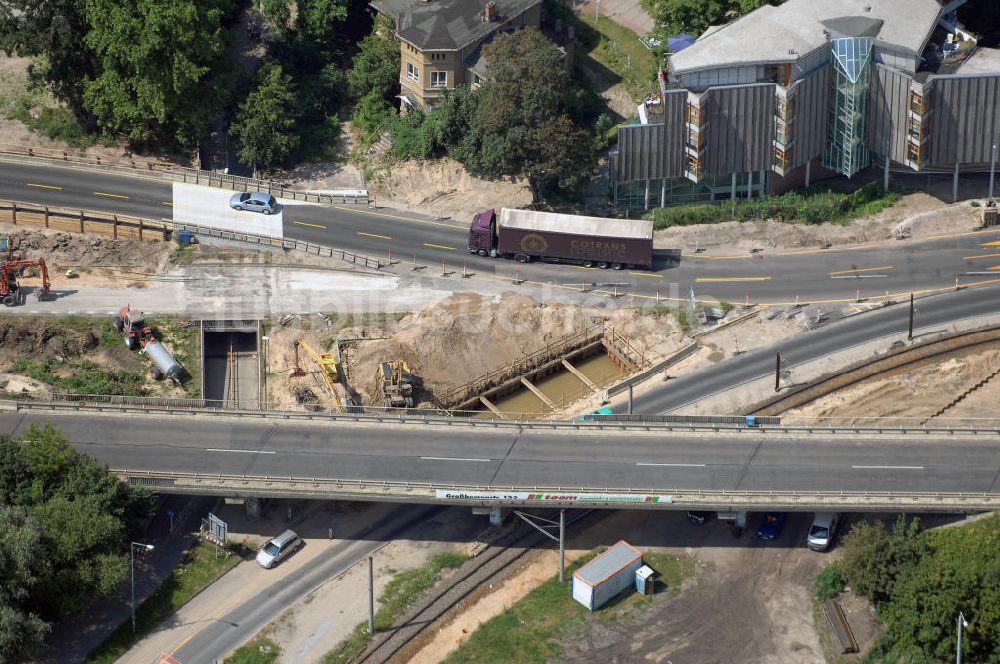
(489, 566)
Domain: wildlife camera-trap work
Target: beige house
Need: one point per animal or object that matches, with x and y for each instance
(441, 41)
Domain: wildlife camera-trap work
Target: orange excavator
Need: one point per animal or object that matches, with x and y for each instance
(9, 273)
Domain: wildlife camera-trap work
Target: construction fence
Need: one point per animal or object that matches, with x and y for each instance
(117, 226)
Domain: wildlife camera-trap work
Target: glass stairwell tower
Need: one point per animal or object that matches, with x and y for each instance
(846, 150)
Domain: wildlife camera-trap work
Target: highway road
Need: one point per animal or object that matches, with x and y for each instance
(524, 457)
(932, 314)
(783, 276)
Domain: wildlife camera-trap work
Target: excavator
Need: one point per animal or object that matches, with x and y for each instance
(327, 366)
(395, 382)
(11, 269)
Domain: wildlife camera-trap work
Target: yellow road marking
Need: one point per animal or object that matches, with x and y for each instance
(863, 269)
(713, 279)
(582, 267)
(646, 274)
(43, 186)
(396, 216)
(302, 223)
(101, 193)
(972, 258)
(166, 203)
(995, 267)
(721, 258)
(803, 251)
(381, 237)
(438, 246)
(995, 243)
(182, 644)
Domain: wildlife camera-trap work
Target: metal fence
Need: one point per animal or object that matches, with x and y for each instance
(116, 226)
(277, 189)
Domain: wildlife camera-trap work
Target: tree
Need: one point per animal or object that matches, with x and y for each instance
(521, 126)
(154, 58)
(52, 29)
(375, 67)
(694, 16)
(21, 563)
(265, 123)
(320, 20)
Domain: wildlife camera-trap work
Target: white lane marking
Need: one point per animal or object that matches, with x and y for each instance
(215, 449)
(887, 467)
(675, 465)
(451, 459)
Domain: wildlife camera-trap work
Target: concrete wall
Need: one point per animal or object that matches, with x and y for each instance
(699, 80)
(740, 127)
(811, 99)
(964, 119)
(893, 58)
(888, 100)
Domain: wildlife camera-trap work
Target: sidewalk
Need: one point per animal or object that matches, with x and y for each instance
(70, 641)
(626, 13)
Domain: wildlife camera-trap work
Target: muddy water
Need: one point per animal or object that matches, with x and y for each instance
(561, 386)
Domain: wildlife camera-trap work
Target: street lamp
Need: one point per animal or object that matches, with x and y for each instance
(265, 339)
(958, 649)
(131, 550)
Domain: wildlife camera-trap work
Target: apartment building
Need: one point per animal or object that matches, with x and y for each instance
(788, 93)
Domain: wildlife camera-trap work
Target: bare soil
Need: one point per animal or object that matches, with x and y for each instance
(454, 341)
(919, 392)
(925, 215)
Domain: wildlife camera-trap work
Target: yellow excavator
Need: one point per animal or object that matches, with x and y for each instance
(396, 384)
(328, 370)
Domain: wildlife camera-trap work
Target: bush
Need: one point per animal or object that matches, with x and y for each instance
(371, 114)
(829, 582)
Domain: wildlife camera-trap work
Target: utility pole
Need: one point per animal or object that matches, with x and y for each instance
(777, 372)
(909, 334)
(371, 595)
(629, 399)
(562, 544)
(993, 161)
(885, 172)
(958, 648)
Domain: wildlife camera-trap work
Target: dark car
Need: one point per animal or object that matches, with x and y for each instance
(699, 517)
(771, 528)
(254, 201)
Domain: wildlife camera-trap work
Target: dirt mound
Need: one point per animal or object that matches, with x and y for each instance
(63, 250)
(443, 187)
(37, 339)
(458, 339)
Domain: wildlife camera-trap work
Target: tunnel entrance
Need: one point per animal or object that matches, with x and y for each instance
(231, 364)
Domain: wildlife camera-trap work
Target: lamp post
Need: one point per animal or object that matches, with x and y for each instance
(265, 339)
(993, 162)
(958, 648)
(131, 550)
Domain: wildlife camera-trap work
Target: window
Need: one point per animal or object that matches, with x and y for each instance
(412, 72)
(439, 79)
(693, 114)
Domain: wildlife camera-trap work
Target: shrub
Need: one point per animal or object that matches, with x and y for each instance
(829, 582)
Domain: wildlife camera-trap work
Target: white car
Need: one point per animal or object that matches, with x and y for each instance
(822, 530)
(278, 549)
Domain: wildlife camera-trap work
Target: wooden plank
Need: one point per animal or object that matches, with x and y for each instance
(576, 372)
(493, 409)
(537, 392)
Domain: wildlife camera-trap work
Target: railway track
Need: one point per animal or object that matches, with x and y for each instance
(491, 564)
(895, 360)
(232, 376)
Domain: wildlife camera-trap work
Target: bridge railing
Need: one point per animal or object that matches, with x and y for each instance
(277, 189)
(535, 495)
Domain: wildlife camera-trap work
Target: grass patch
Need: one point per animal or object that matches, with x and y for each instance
(184, 343)
(81, 377)
(398, 596)
(258, 651)
(814, 205)
(200, 567)
(528, 632)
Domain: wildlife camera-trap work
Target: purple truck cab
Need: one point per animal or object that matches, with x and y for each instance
(483, 234)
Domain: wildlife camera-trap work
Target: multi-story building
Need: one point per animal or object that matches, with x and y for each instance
(441, 41)
(787, 93)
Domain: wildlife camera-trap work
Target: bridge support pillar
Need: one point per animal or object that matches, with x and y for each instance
(252, 507)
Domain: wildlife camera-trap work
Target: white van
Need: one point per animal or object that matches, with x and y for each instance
(822, 530)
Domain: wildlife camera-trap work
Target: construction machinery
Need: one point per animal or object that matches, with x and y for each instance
(395, 382)
(327, 364)
(11, 270)
(136, 333)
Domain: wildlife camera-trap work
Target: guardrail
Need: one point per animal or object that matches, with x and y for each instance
(430, 417)
(255, 239)
(553, 496)
(656, 368)
(43, 155)
(277, 189)
(117, 226)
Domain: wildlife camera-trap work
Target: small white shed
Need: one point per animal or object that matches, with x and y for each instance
(606, 575)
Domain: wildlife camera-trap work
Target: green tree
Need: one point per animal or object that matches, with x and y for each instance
(265, 123)
(154, 60)
(21, 563)
(694, 16)
(320, 21)
(50, 31)
(521, 125)
(375, 67)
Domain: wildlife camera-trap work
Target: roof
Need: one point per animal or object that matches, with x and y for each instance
(766, 35)
(604, 566)
(575, 225)
(983, 61)
(448, 24)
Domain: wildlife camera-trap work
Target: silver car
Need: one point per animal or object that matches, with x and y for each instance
(278, 549)
(254, 201)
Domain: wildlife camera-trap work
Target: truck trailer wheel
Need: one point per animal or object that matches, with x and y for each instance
(588, 263)
(522, 258)
(616, 266)
(9, 300)
(602, 265)
(482, 252)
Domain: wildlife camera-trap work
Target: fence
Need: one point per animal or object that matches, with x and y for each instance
(117, 226)
(42, 155)
(240, 183)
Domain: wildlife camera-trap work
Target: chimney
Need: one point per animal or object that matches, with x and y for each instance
(489, 11)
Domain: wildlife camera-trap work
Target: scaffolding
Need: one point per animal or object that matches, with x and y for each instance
(846, 150)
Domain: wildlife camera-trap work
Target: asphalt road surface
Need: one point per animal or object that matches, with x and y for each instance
(805, 275)
(530, 457)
